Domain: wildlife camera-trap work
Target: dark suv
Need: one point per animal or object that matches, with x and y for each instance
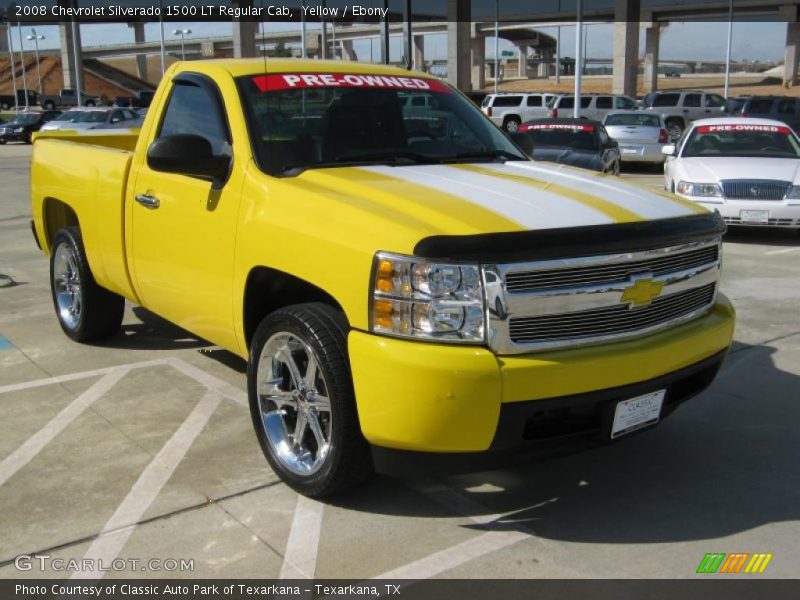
(22, 127)
(779, 108)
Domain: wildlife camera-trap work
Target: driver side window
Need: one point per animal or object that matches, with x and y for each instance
(192, 109)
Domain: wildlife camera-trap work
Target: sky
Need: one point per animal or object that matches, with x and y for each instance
(762, 41)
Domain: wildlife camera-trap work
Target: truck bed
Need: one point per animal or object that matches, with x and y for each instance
(87, 172)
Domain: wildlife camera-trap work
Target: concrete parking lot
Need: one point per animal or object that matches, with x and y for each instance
(142, 448)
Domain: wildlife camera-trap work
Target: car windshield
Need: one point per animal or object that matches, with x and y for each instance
(303, 121)
(757, 141)
(92, 116)
(579, 137)
(24, 120)
(639, 120)
(69, 116)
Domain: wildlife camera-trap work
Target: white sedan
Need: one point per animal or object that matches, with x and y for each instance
(747, 169)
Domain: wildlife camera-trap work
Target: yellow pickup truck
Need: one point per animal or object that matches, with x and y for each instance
(401, 278)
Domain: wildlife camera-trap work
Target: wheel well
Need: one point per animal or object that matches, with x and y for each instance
(512, 117)
(57, 215)
(678, 120)
(268, 289)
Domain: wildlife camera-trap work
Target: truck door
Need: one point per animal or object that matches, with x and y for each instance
(183, 231)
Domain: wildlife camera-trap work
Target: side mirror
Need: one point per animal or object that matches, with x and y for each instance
(523, 140)
(188, 154)
(668, 150)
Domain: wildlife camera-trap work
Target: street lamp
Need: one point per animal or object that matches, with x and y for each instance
(33, 37)
(182, 33)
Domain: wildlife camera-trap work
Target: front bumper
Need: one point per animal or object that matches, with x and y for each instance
(782, 213)
(450, 399)
(14, 137)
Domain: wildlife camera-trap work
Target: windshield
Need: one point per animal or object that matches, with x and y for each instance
(302, 121)
(638, 120)
(761, 141)
(69, 116)
(579, 137)
(92, 116)
(24, 120)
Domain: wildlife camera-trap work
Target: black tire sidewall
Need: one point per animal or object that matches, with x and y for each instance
(306, 323)
(71, 238)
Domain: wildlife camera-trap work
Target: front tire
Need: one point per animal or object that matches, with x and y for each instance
(85, 311)
(302, 400)
(511, 124)
(49, 105)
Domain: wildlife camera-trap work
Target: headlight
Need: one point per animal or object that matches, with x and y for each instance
(421, 299)
(699, 190)
(794, 193)
(19, 130)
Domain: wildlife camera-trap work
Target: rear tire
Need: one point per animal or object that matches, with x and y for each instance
(49, 105)
(90, 103)
(85, 311)
(675, 129)
(305, 416)
(511, 124)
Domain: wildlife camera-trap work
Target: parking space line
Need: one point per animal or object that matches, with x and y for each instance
(33, 445)
(300, 558)
(782, 251)
(455, 556)
(210, 381)
(26, 385)
(122, 523)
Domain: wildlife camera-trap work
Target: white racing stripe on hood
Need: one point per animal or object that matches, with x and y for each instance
(638, 200)
(531, 208)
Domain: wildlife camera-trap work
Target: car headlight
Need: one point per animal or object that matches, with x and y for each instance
(422, 299)
(19, 130)
(699, 190)
(794, 193)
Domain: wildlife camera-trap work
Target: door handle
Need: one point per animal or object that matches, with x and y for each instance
(147, 200)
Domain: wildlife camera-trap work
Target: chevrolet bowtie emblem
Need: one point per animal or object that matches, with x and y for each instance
(642, 292)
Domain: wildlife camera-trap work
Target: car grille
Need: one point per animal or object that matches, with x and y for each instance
(552, 304)
(770, 222)
(618, 319)
(755, 189)
(555, 278)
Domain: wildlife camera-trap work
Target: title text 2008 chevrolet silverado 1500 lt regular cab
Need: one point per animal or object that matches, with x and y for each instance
(397, 283)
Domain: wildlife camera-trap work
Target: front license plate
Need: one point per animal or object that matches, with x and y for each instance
(636, 413)
(754, 216)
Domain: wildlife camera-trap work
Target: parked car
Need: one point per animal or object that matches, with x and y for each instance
(779, 108)
(66, 98)
(680, 108)
(672, 74)
(100, 118)
(593, 106)
(7, 100)
(746, 169)
(510, 110)
(141, 99)
(392, 297)
(577, 142)
(63, 120)
(640, 135)
(25, 125)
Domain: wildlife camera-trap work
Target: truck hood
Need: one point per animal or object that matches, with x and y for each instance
(468, 199)
(714, 170)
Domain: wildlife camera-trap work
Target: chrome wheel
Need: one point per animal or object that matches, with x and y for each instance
(67, 286)
(294, 405)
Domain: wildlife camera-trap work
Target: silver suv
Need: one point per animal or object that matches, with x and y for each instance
(508, 110)
(593, 106)
(680, 108)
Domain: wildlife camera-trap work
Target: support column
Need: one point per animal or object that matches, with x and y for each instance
(69, 48)
(543, 70)
(141, 59)
(626, 47)
(652, 37)
(478, 61)
(244, 33)
(458, 44)
(348, 52)
(792, 53)
(419, 53)
(4, 40)
(522, 62)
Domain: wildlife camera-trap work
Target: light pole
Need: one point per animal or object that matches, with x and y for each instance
(33, 37)
(182, 33)
(22, 60)
(728, 51)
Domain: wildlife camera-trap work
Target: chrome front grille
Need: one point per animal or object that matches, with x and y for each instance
(615, 320)
(533, 280)
(552, 304)
(755, 189)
